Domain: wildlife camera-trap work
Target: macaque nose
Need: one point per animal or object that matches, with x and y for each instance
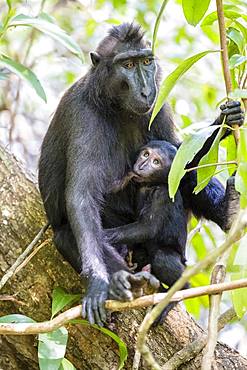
(142, 166)
(145, 92)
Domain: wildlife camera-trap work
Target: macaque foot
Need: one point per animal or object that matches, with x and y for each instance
(93, 303)
(232, 203)
(125, 286)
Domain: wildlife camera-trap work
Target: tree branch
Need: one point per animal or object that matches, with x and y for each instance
(11, 271)
(218, 276)
(224, 58)
(150, 300)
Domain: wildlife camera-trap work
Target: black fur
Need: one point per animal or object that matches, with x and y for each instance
(158, 236)
(159, 233)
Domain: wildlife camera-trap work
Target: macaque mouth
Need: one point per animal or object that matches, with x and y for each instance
(136, 177)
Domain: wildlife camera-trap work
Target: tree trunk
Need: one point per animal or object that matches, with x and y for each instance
(21, 217)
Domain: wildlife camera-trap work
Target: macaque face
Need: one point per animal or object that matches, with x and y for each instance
(152, 165)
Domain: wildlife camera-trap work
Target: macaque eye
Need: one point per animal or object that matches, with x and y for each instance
(129, 64)
(147, 61)
(146, 154)
(156, 162)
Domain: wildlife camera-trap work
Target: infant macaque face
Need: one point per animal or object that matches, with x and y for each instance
(152, 165)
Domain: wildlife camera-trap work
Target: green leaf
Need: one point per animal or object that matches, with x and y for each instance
(205, 174)
(241, 255)
(212, 17)
(210, 234)
(4, 26)
(199, 246)
(16, 319)
(194, 305)
(186, 152)
(232, 49)
(239, 296)
(236, 37)
(157, 23)
(233, 7)
(202, 184)
(186, 121)
(170, 81)
(47, 17)
(194, 10)
(236, 60)
(24, 73)
(211, 33)
(9, 4)
(238, 93)
(241, 175)
(231, 267)
(242, 28)
(3, 76)
(60, 299)
(242, 147)
(209, 19)
(45, 25)
(123, 352)
(234, 79)
(231, 153)
(52, 348)
(114, 21)
(241, 183)
(66, 365)
(200, 279)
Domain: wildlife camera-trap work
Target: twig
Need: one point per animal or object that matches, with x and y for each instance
(157, 23)
(193, 232)
(181, 295)
(223, 45)
(136, 360)
(224, 57)
(244, 82)
(235, 234)
(75, 312)
(244, 87)
(22, 257)
(137, 355)
(6, 297)
(210, 165)
(218, 276)
(192, 349)
(31, 255)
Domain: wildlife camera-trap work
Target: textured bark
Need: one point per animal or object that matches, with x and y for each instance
(21, 217)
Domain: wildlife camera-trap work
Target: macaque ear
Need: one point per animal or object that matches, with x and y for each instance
(95, 58)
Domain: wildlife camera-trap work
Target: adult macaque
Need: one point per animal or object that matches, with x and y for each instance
(99, 124)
